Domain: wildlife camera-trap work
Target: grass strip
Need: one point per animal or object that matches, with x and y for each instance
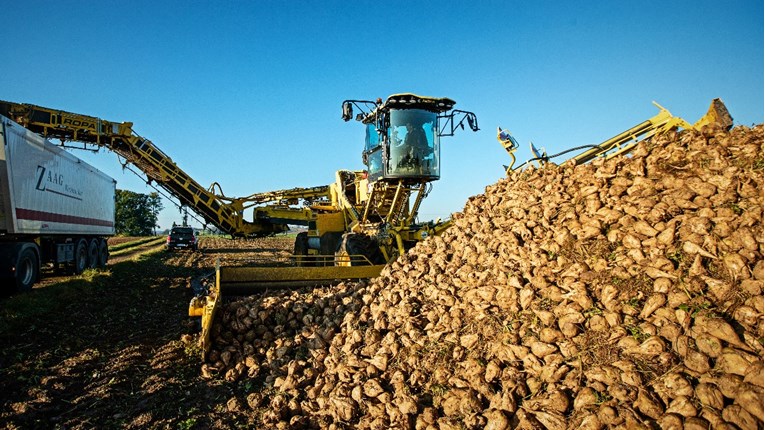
(124, 250)
(134, 243)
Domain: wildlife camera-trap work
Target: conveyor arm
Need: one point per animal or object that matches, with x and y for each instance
(626, 141)
(224, 212)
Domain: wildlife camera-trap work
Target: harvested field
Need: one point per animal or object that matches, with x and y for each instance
(105, 350)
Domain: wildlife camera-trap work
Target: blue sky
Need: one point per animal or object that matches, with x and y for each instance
(248, 94)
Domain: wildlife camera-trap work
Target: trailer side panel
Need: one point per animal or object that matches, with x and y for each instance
(48, 191)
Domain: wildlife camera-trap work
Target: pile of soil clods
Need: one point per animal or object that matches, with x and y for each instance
(624, 293)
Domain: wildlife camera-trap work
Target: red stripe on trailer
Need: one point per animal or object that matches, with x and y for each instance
(33, 215)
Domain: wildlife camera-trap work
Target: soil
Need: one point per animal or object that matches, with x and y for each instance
(112, 348)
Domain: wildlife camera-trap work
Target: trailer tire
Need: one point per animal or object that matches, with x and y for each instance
(93, 253)
(80, 256)
(27, 270)
(103, 253)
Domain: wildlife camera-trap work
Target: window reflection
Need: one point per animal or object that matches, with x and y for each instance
(414, 145)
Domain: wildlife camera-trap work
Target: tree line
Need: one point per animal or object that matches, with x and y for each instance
(136, 214)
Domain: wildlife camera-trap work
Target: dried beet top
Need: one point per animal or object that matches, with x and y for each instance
(625, 293)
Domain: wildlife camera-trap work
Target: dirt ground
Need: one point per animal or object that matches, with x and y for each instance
(105, 349)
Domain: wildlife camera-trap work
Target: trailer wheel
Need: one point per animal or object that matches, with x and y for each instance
(26, 270)
(93, 253)
(103, 253)
(81, 257)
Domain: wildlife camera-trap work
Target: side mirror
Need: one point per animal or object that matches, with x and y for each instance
(347, 111)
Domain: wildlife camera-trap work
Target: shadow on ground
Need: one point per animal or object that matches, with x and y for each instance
(104, 350)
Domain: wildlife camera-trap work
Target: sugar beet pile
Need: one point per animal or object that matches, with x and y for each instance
(624, 293)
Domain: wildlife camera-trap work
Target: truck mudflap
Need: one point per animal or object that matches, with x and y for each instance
(240, 281)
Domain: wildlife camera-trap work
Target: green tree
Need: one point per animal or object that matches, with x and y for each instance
(136, 214)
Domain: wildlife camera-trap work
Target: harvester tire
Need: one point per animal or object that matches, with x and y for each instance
(328, 244)
(301, 249)
(361, 244)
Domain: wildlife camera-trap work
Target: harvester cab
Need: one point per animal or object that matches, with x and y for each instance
(403, 135)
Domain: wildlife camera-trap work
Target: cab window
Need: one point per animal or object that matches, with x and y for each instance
(414, 144)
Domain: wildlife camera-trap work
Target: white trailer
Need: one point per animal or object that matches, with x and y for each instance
(54, 208)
